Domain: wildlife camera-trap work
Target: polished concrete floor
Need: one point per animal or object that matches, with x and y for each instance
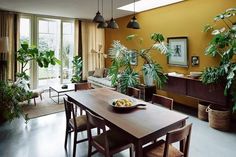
(44, 137)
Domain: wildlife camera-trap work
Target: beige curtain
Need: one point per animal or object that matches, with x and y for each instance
(93, 43)
(8, 28)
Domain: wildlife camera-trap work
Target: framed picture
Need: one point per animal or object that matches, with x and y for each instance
(179, 47)
(133, 58)
(195, 60)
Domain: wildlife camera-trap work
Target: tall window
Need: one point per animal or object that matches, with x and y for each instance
(50, 34)
(25, 36)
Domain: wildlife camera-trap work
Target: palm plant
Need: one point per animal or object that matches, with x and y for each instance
(223, 44)
(121, 71)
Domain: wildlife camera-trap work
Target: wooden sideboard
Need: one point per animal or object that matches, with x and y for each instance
(196, 89)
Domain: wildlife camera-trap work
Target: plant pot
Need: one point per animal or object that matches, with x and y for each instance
(219, 118)
(202, 114)
(148, 80)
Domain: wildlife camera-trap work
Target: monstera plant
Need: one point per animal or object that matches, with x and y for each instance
(223, 45)
(122, 72)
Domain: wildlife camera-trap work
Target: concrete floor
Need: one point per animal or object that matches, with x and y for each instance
(44, 137)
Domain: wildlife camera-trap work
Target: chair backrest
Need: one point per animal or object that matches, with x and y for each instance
(83, 86)
(134, 92)
(96, 121)
(182, 135)
(162, 100)
(70, 112)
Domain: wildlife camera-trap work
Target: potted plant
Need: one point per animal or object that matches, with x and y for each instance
(10, 97)
(222, 45)
(26, 54)
(77, 69)
(121, 71)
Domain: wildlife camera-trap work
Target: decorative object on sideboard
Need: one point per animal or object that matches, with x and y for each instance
(112, 23)
(3, 57)
(179, 46)
(195, 60)
(98, 18)
(133, 23)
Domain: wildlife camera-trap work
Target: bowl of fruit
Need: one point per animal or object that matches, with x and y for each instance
(124, 104)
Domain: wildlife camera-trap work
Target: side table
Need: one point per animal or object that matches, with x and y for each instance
(147, 92)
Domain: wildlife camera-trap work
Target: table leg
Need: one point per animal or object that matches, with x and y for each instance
(138, 149)
(58, 97)
(49, 92)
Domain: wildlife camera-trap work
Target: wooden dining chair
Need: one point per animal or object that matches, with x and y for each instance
(107, 143)
(82, 86)
(74, 124)
(163, 101)
(165, 149)
(134, 92)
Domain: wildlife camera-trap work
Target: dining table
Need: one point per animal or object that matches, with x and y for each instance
(141, 125)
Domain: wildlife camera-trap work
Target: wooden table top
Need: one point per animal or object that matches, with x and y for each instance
(139, 122)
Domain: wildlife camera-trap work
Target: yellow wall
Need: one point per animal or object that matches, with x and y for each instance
(182, 19)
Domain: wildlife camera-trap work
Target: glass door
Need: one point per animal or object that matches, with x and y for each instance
(49, 38)
(67, 50)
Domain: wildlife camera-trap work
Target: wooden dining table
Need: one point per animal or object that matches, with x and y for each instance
(140, 126)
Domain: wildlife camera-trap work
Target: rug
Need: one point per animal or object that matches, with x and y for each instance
(43, 107)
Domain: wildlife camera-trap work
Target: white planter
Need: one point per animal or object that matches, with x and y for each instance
(148, 80)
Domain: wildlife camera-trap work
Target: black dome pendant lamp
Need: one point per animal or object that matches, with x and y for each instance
(104, 23)
(133, 22)
(112, 23)
(98, 18)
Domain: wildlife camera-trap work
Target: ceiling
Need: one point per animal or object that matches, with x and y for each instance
(83, 9)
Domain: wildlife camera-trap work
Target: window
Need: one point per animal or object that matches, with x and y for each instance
(49, 34)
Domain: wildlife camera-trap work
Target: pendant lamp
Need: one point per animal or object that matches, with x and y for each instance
(112, 23)
(104, 23)
(98, 18)
(133, 22)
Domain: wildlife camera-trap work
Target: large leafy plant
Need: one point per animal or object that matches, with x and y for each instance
(10, 97)
(26, 54)
(223, 45)
(121, 71)
(77, 67)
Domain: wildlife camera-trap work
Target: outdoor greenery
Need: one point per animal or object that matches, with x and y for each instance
(10, 96)
(223, 45)
(26, 54)
(77, 69)
(122, 72)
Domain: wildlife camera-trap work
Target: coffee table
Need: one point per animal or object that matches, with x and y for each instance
(59, 90)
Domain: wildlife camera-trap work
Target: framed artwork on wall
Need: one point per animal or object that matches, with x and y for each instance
(133, 57)
(179, 47)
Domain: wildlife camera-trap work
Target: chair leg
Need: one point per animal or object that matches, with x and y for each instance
(81, 111)
(75, 142)
(34, 102)
(41, 97)
(98, 131)
(89, 149)
(65, 144)
(131, 151)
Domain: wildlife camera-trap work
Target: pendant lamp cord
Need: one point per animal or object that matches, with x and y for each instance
(102, 7)
(112, 8)
(98, 5)
(134, 7)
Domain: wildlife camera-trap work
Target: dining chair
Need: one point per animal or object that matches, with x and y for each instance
(74, 124)
(163, 101)
(107, 143)
(134, 92)
(82, 86)
(165, 149)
